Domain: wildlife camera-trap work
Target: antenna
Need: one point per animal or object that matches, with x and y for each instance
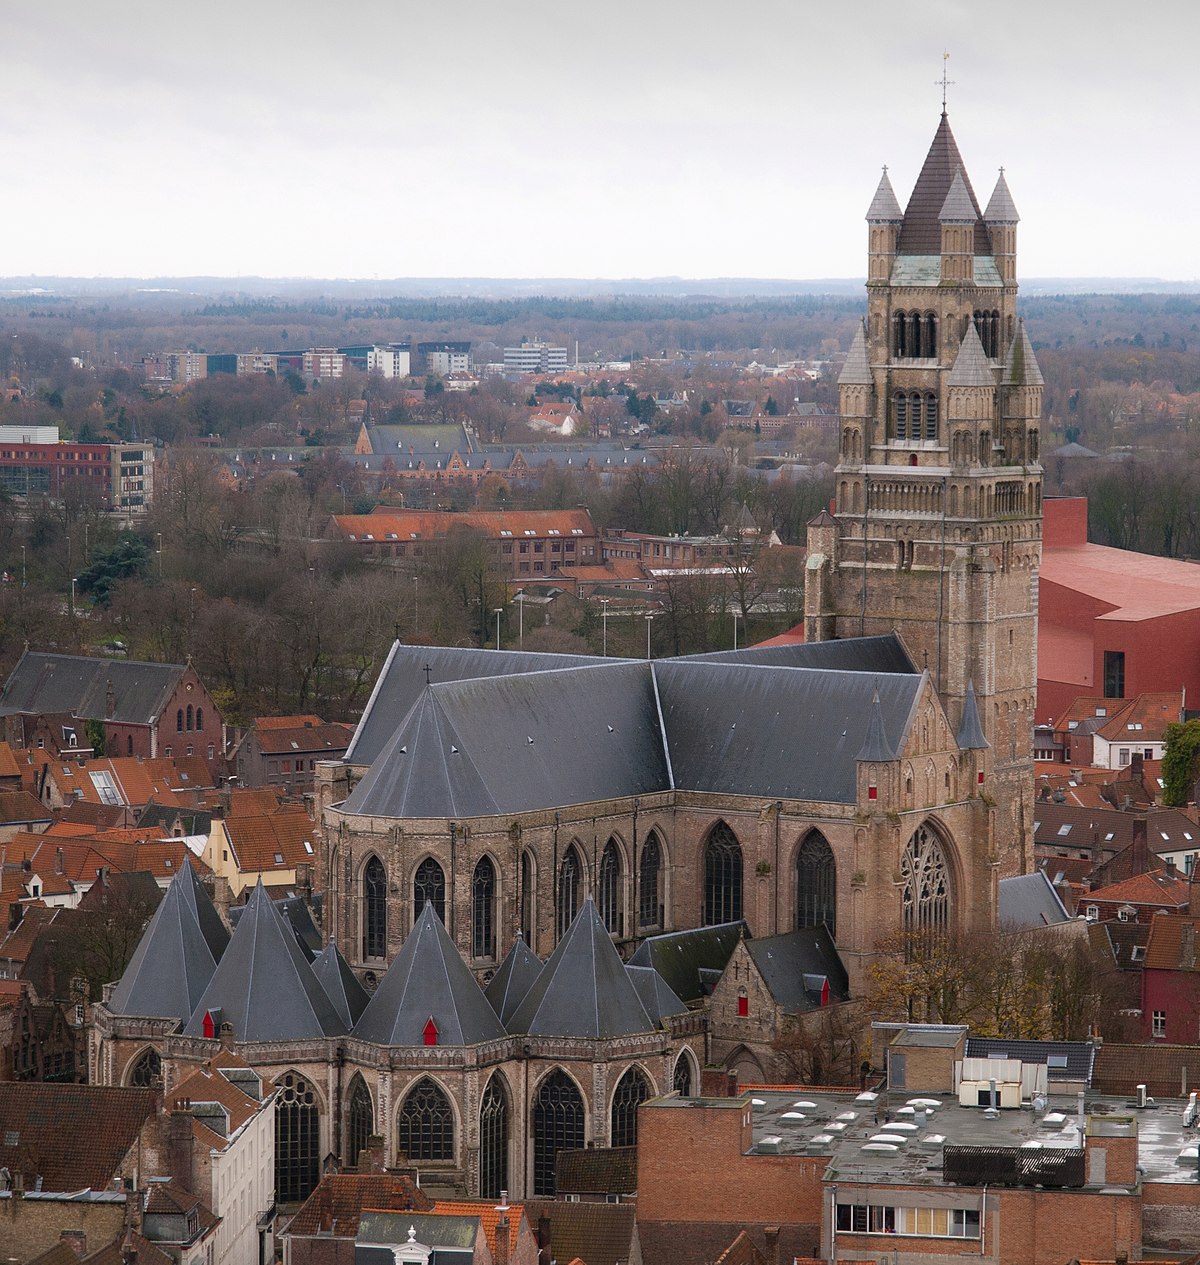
(943, 81)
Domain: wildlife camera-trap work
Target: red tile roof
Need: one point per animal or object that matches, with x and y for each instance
(340, 1199)
(272, 841)
(1154, 888)
(1172, 943)
(489, 1216)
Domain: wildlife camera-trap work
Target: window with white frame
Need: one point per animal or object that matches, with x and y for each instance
(940, 1223)
(1158, 1023)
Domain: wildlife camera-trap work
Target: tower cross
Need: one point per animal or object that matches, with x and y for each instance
(943, 81)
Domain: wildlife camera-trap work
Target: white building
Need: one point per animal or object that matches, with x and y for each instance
(28, 434)
(535, 358)
(392, 361)
(444, 358)
(233, 1129)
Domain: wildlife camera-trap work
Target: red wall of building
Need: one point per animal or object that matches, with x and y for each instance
(1178, 993)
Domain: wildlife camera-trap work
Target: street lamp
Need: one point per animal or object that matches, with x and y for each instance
(73, 579)
(499, 612)
(520, 601)
(416, 604)
(649, 618)
(22, 566)
(604, 601)
(159, 535)
(736, 617)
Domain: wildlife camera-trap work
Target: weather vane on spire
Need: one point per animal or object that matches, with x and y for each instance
(945, 83)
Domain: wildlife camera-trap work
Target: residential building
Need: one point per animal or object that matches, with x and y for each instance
(442, 358)
(391, 361)
(325, 1229)
(276, 847)
(186, 367)
(283, 751)
(525, 543)
(535, 358)
(1170, 1001)
(145, 709)
(321, 363)
(261, 362)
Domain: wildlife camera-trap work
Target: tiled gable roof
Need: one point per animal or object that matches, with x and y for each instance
(1172, 943)
(607, 1170)
(72, 1136)
(326, 739)
(488, 1213)
(335, 1206)
(428, 980)
(1154, 888)
(792, 963)
(80, 686)
(591, 1231)
(272, 841)
(1120, 1069)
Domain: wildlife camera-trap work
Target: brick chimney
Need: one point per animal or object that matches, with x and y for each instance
(180, 1148)
(502, 1231)
(1194, 898)
(771, 1235)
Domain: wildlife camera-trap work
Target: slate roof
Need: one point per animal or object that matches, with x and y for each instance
(882, 654)
(432, 1229)
(73, 1136)
(606, 1170)
(402, 682)
(1029, 900)
(1000, 208)
(78, 686)
(340, 984)
(173, 963)
(958, 207)
(970, 731)
(428, 979)
(792, 966)
(884, 208)
(971, 366)
(514, 978)
(857, 369)
(1079, 1056)
(684, 958)
(298, 916)
(654, 993)
(583, 990)
(1022, 369)
(920, 231)
(512, 743)
(264, 985)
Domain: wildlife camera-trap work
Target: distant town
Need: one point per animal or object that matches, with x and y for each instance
(660, 778)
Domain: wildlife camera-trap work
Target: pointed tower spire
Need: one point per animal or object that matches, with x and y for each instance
(971, 366)
(857, 369)
(970, 731)
(1021, 368)
(958, 207)
(1000, 207)
(921, 234)
(884, 208)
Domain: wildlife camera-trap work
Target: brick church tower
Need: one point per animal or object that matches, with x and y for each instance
(937, 525)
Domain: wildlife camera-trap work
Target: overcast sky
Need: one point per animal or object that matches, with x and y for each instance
(694, 138)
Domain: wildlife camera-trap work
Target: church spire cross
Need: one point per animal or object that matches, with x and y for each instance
(943, 82)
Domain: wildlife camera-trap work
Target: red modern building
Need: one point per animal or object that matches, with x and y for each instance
(1111, 623)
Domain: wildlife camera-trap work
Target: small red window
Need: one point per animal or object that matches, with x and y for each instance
(980, 777)
(431, 1032)
(872, 792)
(743, 1005)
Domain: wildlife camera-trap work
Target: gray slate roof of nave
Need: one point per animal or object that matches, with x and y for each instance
(77, 685)
(1027, 901)
(428, 979)
(402, 681)
(885, 653)
(264, 985)
(514, 743)
(583, 990)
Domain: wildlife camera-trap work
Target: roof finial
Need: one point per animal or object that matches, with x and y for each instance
(428, 673)
(945, 83)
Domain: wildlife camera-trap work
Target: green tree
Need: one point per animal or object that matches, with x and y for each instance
(128, 559)
(1181, 755)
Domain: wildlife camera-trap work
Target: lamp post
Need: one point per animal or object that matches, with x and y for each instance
(649, 620)
(73, 579)
(416, 604)
(736, 617)
(520, 601)
(604, 601)
(159, 535)
(498, 612)
(22, 566)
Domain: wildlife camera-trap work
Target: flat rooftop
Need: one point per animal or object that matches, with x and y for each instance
(810, 1122)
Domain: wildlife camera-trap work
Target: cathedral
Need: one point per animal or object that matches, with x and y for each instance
(509, 834)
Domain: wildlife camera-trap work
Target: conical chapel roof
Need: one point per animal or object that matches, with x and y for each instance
(921, 231)
(514, 978)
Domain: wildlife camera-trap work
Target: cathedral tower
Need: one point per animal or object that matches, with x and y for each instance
(937, 529)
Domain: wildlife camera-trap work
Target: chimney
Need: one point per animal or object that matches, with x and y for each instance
(1193, 897)
(180, 1152)
(771, 1235)
(1187, 946)
(58, 860)
(503, 1232)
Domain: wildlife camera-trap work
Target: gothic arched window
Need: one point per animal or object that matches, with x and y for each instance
(526, 898)
(900, 416)
(558, 1125)
(483, 909)
(931, 416)
(722, 876)
(632, 1090)
(609, 889)
(682, 1079)
(374, 909)
(816, 884)
(297, 1139)
(179, 721)
(146, 1073)
(649, 871)
(360, 1119)
(570, 889)
(493, 1139)
(925, 880)
(426, 1126)
(429, 888)
(189, 716)
(199, 717)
